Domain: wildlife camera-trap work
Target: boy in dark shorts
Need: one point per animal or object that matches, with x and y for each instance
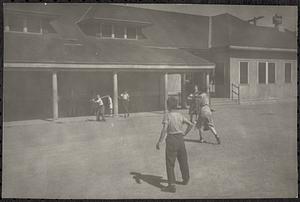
(193, 98)
(173, 123)
(205, 121)
(99, 108)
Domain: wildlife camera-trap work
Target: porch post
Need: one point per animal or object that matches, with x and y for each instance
(54, 95)
(183, 93)
(207, 86)
(116, 94)
(165, 90)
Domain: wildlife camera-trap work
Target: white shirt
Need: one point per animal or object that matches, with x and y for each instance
(99, 101)
(125, 96)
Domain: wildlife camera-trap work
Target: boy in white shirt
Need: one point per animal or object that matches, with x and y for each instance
(173, 123)
(99, 108)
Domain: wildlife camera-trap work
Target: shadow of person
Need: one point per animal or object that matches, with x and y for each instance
(198, 141)
(150, 179)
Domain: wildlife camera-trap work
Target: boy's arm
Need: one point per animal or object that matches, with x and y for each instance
(163, 134)
(189, 128)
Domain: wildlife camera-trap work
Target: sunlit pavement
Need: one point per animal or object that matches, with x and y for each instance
(118, 159)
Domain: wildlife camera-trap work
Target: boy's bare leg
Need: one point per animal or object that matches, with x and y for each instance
(213, 130)
(201, 130)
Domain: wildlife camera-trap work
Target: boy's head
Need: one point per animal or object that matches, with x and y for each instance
(171, 103)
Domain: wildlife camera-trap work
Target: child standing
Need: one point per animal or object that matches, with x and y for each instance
(99, 108)
(125, 101)
(173, 123)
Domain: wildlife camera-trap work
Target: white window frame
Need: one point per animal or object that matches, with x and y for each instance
(275, 75)
(266, 82)
(291, 79)
(25, 28)
(240, 72)
(267, 72)
(107, 37)
(113, 33)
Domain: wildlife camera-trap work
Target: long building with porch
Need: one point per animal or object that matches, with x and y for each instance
(55, 63)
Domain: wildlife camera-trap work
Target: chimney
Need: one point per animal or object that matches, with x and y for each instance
(277, 21)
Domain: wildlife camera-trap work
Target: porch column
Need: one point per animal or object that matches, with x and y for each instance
(54, 95)
(207, 86)
(165, 90)
(183, 93)
(116, 94)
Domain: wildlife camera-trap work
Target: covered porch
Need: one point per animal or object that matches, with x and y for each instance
(65, 90)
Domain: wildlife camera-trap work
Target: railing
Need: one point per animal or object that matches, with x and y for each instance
(235, 90)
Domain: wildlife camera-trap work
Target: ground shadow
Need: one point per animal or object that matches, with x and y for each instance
(53, 121)
(90, 120)
(198, 141)
(150, 179)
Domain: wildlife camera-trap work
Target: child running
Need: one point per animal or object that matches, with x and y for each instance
(173, 123)
(205, 121)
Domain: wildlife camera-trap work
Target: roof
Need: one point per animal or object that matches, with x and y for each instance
(55, 50)
(166, 29)
(230, 30)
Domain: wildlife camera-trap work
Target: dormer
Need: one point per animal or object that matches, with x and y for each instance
(104, 28)
(17, 21)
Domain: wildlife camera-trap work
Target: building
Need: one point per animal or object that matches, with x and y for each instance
(261, 61)
(54, 64)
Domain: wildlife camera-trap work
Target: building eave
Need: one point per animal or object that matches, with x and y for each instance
(44, 14)
(40, 66)
(262, 48)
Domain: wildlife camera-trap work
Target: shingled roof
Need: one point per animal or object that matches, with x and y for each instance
(166, 29)
(52, 49)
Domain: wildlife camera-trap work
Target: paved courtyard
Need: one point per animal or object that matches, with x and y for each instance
(117, 159)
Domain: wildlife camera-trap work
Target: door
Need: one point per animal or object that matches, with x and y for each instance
(220, 80)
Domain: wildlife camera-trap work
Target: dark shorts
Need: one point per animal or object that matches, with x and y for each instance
(194, 109)
(100, 109)
(205, 119)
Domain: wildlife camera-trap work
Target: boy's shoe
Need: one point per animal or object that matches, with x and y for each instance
(185, 182)
(169, 188)
(218, 140)
(201, 141)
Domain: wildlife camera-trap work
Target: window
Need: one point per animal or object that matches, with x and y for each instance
(140, 34)
(16, 23)
(220, 73)
(266, 72)
(115, 30)
(243, 72)
(90, 29)
(119, 31)
(262, 72)
(106, 30)
(131, 32)
(271, 72)
(27, 23)
(46, 27)
(288, 72)
(33, 24)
